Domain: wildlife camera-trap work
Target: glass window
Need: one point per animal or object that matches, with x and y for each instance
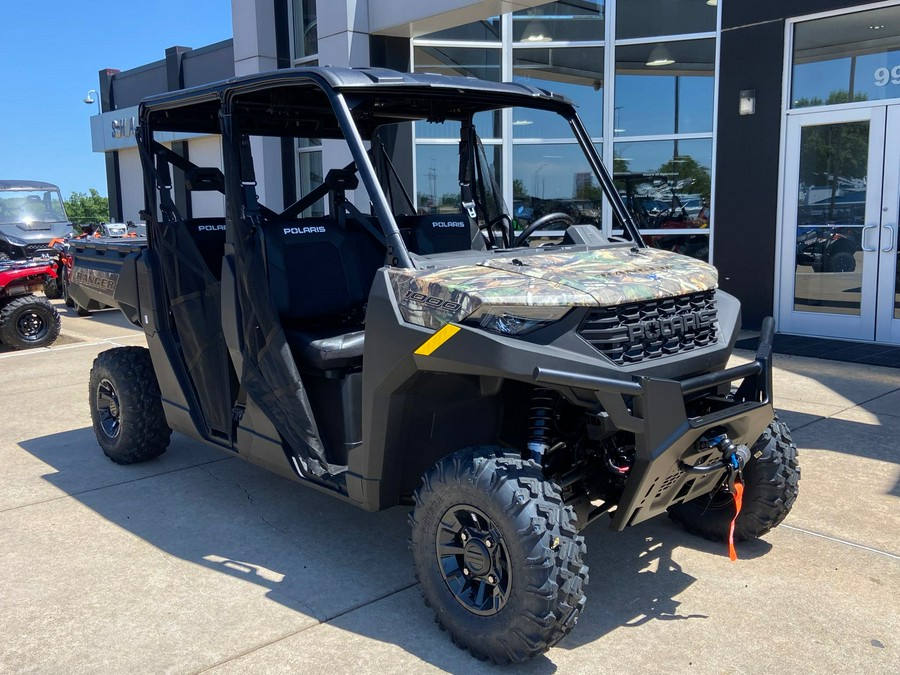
(567, 20)
(649, 18)
(573, 72)
(466, 62)
(478, 31)
(459, 61)
(306, 36)
(554, 178)
(665, 184)
(437, 176)
(852, 57)
(309, 177)
(665, 88)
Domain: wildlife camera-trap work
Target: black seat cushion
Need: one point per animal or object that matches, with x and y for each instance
(326, 349)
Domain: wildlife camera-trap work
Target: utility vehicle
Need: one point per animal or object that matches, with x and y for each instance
(391, 349)
(31, 214)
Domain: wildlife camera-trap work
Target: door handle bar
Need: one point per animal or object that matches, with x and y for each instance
(887, 248)
(862, 239)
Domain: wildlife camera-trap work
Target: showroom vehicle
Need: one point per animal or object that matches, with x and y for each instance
(369, 344)
(31, 214)
(26, 320)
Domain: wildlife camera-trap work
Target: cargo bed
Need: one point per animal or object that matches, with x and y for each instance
(104, 274)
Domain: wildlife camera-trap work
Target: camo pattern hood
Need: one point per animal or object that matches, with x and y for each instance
(596, 278)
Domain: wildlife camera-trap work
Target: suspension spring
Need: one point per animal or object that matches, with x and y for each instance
(540, 421)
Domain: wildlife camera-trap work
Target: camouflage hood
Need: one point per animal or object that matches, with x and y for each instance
(596, 278)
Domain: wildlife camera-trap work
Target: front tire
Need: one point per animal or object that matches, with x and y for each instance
(840, 261)
(126, 406)
(29, 321)
(771, 480)
(497, 555)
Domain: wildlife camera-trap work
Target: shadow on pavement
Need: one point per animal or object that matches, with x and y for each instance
(324, 558)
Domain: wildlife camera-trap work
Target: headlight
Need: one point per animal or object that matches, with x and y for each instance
(14, 240)
(516, 320)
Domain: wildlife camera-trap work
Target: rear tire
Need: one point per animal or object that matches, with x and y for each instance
(497, 554)
(81, 311)
(52, 288)
(771, 480)
(29, 321)
(126, 406)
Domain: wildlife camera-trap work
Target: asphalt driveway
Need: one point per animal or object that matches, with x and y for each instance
(198, 561)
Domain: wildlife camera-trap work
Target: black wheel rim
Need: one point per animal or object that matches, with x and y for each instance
(31, 326)
(108, 408)
(473, 560)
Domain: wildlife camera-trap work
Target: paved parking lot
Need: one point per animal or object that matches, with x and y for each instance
(198, 561)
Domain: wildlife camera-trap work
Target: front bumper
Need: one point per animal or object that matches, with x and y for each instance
(655, 410)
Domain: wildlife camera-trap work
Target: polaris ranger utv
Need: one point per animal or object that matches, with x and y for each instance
(31, 214)
(391, 351)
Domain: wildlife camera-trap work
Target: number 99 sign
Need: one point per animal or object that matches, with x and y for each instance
(883, 76)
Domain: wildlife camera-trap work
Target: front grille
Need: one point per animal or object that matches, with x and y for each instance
(640, 331)
(31, 250)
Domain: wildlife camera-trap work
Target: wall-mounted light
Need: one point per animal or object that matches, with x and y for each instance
(747, 104)
(89, 100)
(712, 3)
(660, 56)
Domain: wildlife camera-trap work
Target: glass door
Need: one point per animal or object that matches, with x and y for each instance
(832, 232)
(888, 309)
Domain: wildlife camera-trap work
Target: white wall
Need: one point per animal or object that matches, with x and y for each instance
(207, 152)
(132, 185)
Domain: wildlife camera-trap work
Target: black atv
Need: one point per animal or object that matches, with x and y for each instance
(402, 350)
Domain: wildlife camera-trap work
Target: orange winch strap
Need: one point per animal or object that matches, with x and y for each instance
(738, 499)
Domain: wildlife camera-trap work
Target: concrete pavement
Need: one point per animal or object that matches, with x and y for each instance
(198, 561)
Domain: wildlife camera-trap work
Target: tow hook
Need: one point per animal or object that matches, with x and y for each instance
(734, 459)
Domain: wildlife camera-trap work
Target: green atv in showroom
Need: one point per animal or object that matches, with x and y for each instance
(387, 350)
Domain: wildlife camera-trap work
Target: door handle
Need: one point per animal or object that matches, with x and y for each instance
(862, 239)
(887, 248)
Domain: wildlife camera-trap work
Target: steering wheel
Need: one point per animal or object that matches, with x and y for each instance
(541, 223)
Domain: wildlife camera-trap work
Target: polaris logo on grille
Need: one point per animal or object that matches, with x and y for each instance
(210, 228)
(312, 229)
(672, 326)
(451, 223)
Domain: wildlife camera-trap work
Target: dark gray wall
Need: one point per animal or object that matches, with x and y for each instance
(748, 147)
(130, 86)
(208, 64)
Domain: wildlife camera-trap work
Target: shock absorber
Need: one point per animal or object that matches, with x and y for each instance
(540, 419)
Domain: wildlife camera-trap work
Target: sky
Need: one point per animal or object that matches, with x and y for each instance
(53, 51)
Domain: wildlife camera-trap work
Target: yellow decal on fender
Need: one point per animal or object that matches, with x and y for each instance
(436, 340)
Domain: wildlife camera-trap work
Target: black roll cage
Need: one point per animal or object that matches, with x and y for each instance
(343, 102)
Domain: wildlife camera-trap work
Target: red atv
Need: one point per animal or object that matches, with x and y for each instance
(26, 320)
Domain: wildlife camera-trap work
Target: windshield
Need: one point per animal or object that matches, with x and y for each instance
(457, 168)
(31, 206)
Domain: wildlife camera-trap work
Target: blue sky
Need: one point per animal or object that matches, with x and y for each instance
(51, 53)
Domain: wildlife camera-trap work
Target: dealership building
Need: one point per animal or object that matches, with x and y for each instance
(764, 136)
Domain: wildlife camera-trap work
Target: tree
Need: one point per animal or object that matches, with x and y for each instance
(692, 176)
(519, 189)
(87, 208)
